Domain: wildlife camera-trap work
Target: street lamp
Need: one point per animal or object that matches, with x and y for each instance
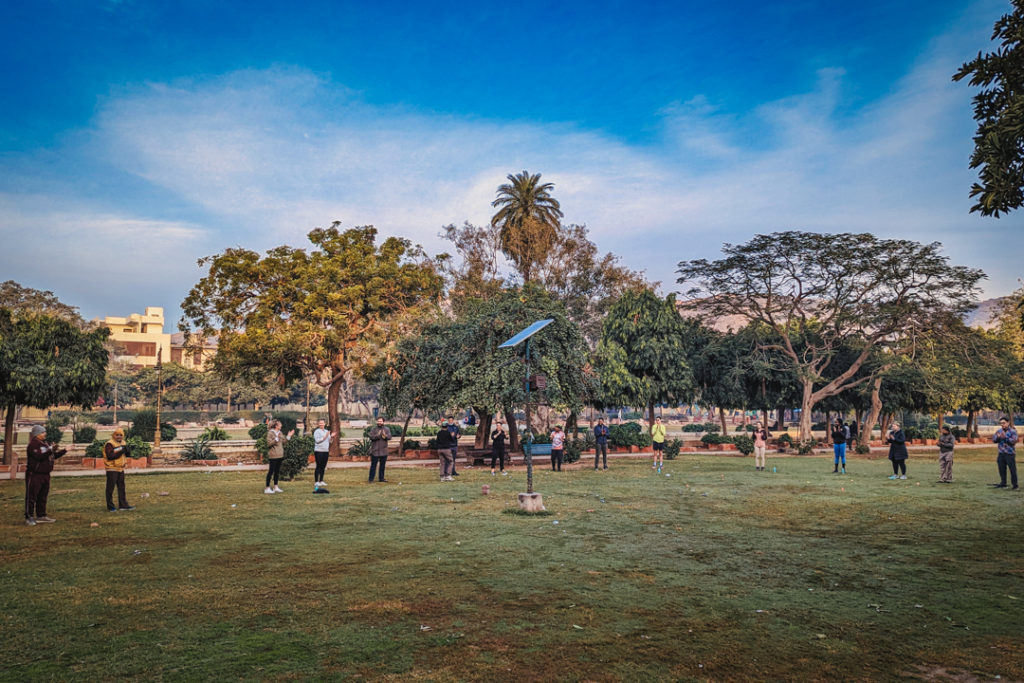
(159, 404)
(529, 501)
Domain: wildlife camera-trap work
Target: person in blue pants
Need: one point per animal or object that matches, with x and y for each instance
(840, 435)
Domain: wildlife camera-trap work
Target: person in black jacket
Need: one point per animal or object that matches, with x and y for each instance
(444, 452)
(39, 460)
(498, 437)
(840, 435)
(897, 451)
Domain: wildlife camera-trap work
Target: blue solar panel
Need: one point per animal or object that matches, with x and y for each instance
(527, 333)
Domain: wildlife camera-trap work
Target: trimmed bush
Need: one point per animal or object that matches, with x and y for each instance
(53, 431)
(231, 419)
(412, 445)
(84, 434)
(672, 448)
(288, 423)
(143, 425)
(807, 447)
(296, 455)
(862, 449)
(137, 448)
(105, 420)
(712, 439)
(95, 449)
(744, 444)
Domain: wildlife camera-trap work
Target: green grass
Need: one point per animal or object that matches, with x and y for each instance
(717, 572)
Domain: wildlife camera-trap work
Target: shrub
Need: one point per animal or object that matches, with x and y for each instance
(626, 434)
(296, 455)
(105, 420)
(53, 431)
(214, 433)
(862, 449)
(412, 445)
(745, 428)
(469, 430)
(744, 444)
(710, 439)
(263, 447)
(672, 447)
(573, 450)
(929, 433)
(432, 444)
(84, 434)
(137, 448)
(198, 449)
(231, 419)
(807, 447)
(912, 433)
(258, 431)
(168, 432)
(95, 449)
(785, 439)
(143, 425)
(361, 448)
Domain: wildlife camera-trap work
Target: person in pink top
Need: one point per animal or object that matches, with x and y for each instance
(761, 437)
(557, 448)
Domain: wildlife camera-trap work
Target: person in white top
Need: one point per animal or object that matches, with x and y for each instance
(321, 451)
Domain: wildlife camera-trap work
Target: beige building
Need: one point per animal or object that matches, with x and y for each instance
(139, 338)
(194, 358)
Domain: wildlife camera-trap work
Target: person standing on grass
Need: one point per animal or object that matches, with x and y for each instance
(455, 432)
(897, 451)
(600, 442)
(115, 458)
(946, 443)
(379, 436)
(658, 434)
(851, 437)
(1006, 439)
(840, 435)
(444, 452)
(761, 436)
(557, 448)
(498, 437)
(321, 452)
(39, 459)
(275, 454)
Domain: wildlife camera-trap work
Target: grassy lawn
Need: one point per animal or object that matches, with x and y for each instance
(715, 572)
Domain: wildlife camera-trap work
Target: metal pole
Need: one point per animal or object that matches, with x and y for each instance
(529, 431)
(159, 403)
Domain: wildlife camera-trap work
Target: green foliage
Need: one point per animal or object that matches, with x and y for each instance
(215, 433)
(258, 431)
(625, 435)
(296, 455)
(469, 430)
(998, 107)
(784, 439)
(326, 312)
(95, 449)
(84, 434)
(230, 419)
(528, 218)
(930, 433)
(643, 355)
(710, 439)
(105, 420)
(744, 444)
(47, 360)
(412, 445)
(168, 432)
(912, 433)
(263, 447)
(710, 427)
(862, 449)
(198, 449)
(672, 448)
(137, 448)
(573, 450)
(745, 428)
(53, 431)
(143, 425)
(362, 448)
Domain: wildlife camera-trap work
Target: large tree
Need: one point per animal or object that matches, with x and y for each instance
(999, 111)
(643, 356)
(45, 361)
(527, 218)
(325, 313)
(820, 292)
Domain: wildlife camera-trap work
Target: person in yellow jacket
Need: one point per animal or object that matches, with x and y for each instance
(115, 457)
(658, 439)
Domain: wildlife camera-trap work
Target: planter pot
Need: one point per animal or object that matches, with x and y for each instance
(931, 442)
(647, 449)
(634, 449)
(426, 454)
(723, 447)
(311, 460)
(136, 463)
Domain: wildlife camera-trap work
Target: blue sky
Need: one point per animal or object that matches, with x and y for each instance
(157, 133)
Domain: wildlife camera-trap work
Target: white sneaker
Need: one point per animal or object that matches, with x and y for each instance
(903, 476)
(268, 490)
(504, 474)
(278, 489)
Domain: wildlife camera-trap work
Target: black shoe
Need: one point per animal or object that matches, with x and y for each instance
(455, 474)
(1014, 488)
(127, 507)
(111, 508)
(998, 486)
(382, 481)
(606, 466)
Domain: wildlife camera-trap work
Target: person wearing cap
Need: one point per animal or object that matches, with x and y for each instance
(39, 459)
(115, 458)
(557, 448)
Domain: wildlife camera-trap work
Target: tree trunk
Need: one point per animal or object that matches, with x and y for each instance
(9, 434)
(513, 430)
(886, 420)
(806, 406)
(333, 391)
(405, 428)
(483, 428)
(970, 424)
(571, 425)
(305, 418)
(650, 417)
(721, 418)
(940, 420)
(874, 413)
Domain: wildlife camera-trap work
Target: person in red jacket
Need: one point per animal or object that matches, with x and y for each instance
(39, 460)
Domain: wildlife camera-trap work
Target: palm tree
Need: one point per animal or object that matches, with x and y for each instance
(528, 219)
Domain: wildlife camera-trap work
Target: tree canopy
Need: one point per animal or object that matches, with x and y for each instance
(999, 111)
(819, 292)
(528, 219)
(321, 314)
